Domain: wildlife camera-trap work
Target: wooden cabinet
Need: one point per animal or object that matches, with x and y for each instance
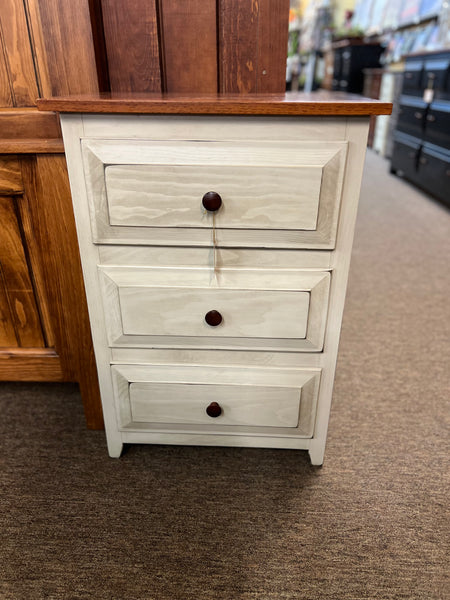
(216, 323)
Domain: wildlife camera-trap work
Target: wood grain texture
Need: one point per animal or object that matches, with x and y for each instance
(15, 42)
(315, 223)
(320, 103)
(10, 175)
(131, 36)
(16, 278)
(48, 193)
(29, 131)
(291, 386)
(262, 310)
(30, 365)
(7, 332)
(255, 406)
(6, 98)
(253, 45)
(272, 45)
(64, 46)
(189, 45)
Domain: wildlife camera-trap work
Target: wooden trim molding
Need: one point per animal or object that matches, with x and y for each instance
(320, 103)
(33, 364)
(28, 131)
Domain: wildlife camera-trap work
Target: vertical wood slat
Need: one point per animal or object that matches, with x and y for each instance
(16, 277)
(6, 99)
(189, 45)
(272, 46)
(63, 44)
(131, 34)
(18, 57)
(253, 45)
(7, 333)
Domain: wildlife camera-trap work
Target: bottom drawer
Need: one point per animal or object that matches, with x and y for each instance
(196, 398)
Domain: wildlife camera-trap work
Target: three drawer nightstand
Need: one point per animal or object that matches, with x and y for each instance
(215, 237)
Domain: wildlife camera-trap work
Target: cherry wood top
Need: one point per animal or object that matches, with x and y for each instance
(321, 103)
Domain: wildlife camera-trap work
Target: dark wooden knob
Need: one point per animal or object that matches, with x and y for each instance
(213, 318)
(213, 410)
(212, 201)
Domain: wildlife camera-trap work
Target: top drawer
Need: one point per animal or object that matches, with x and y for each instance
(273, 194)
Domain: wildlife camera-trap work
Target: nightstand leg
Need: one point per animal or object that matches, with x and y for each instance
(316, 454)
(115, 447)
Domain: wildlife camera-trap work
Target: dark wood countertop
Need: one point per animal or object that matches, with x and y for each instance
(321, 103)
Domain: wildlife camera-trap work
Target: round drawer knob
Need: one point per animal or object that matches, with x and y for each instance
(213, 318)
(213, 410)
(212, 201)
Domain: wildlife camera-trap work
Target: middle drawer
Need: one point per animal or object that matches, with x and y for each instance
(234, 308)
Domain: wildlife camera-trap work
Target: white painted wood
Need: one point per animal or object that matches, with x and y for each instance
(260, 197)
(287, 194)
(156, 256)
(222, 358)
(173, 398)
(72, 130)
(226, 128)
(261, 308)
(357, 131)
(241, 404)
(267, 263)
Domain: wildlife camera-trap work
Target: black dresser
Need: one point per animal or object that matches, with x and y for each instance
(421, 151)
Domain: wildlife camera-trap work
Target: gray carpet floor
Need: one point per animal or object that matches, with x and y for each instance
(241, 524)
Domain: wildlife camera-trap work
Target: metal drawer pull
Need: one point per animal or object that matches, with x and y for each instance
(214, 410)
(418, 115)
(423, 161)
(431, 118)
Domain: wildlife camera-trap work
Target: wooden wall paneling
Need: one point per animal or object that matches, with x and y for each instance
(189, 45)
(47, 190)
(16, 277)
(252, 45)
(6, 99)
(273, 33)
(63, 45)
(26, 130)
(17, 49)
(10, 175)
(132, 45)
(7, 333)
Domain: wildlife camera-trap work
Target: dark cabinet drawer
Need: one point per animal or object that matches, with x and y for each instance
(405, 157)
(438, 124)
(412, 78)
(434, 172)
(436, 76)
(411, 116)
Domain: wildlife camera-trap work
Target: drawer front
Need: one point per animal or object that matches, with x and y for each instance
(438, 124)
(411, 117)
(150, 396)
(272, 194)
(434, 173)
(405, 157)
(412, 78)
(234, 308)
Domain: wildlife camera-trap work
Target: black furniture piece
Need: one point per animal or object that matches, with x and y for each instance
(350, 59)
(421, 150)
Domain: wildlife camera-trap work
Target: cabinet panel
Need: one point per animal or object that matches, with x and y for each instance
(17, 285)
